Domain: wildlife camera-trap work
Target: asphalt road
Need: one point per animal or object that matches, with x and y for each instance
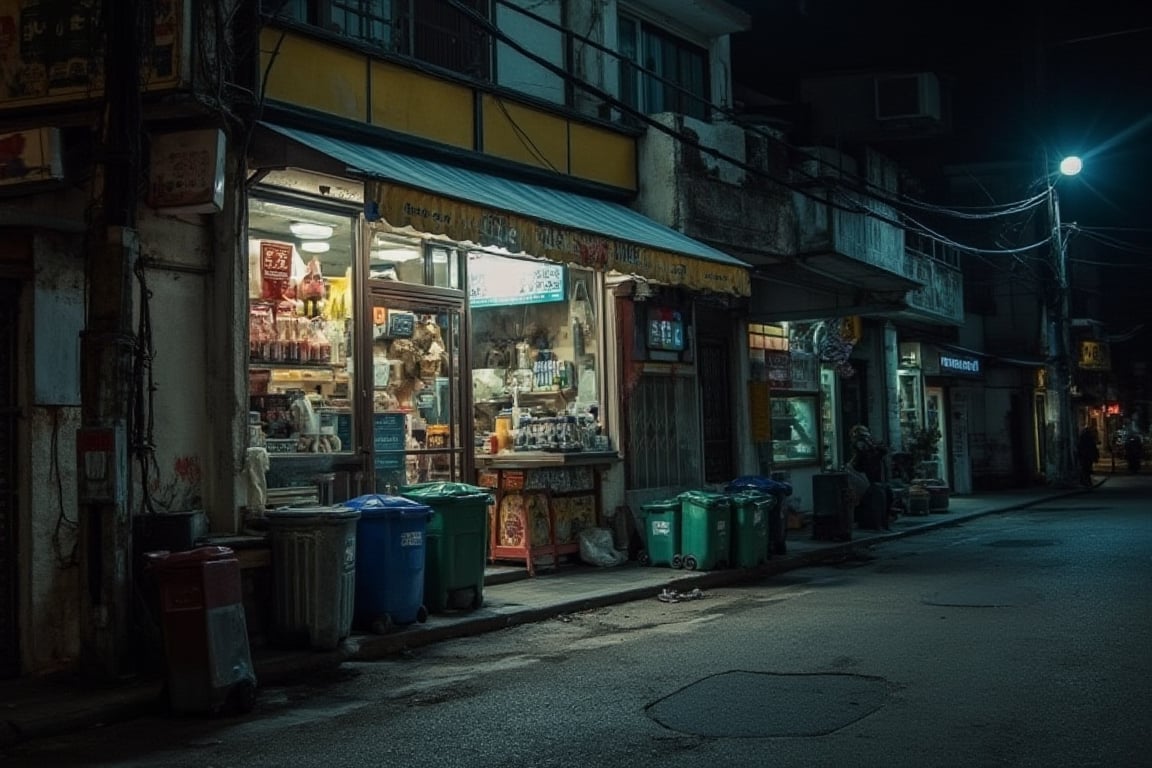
(1020, 639)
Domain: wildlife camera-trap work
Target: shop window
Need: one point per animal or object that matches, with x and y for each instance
(536, 355)
(796, 429)
(676, 76)
(300, 323)
(437, 33)
(406, 259)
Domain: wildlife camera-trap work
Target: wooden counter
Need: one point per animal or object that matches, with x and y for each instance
(542, 502)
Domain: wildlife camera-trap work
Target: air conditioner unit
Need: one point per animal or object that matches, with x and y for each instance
(905, 97)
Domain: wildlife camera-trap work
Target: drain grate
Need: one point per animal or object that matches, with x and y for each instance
(742, 704)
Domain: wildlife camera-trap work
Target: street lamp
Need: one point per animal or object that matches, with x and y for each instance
(1059, 364)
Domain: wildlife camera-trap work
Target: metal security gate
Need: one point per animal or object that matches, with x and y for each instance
(716, 407)
(9, 634)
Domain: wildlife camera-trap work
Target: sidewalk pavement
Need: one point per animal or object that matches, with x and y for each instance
(35, 708)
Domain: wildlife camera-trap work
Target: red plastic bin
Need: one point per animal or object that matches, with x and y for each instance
(209, 664)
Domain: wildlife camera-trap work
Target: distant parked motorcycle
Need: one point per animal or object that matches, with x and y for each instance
(1133, 452)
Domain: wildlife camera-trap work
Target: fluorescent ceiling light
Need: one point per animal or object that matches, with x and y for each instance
(315, 246)
(310, 231)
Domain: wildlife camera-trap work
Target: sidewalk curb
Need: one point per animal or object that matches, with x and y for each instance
(285, 667)
(375, 647)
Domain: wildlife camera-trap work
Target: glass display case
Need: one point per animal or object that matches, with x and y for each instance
(796, 428)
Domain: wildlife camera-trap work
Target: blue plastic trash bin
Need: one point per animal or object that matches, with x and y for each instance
(390, 552)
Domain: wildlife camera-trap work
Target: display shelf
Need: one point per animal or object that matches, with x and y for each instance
(542, 502)
(274, 366)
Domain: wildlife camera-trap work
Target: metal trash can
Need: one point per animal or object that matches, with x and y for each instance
(705, 530)
(457, 543)
(390, 554)
(750, 511)
(313, 574)
(661, 521)
(779, 490)
(209, 664)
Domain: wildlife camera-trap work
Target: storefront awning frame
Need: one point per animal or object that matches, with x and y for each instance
(474, 206)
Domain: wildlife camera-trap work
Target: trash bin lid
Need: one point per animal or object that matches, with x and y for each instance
(302, 513)
(381, 505)
(190, 558)
(759, 483)
(752, 497)
(444, 492)
(663, 504)
(704, 498)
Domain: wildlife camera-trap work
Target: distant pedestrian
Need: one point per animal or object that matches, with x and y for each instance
(1088, 451)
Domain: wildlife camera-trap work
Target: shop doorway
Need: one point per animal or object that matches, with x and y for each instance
(9, 506)
(415, 430)
(716, 410)
(853, 404)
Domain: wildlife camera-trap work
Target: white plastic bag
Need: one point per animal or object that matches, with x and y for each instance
(596, 548)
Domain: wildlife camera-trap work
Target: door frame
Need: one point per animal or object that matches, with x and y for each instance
(417, 298)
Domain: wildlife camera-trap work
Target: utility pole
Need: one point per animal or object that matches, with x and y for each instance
(1060, 363)
(107, 353)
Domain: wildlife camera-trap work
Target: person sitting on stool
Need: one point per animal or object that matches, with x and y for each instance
(868, 459)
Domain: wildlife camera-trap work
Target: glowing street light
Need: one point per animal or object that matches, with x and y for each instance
(1060, 370)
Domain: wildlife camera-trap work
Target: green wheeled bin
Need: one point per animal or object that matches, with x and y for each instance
(456, 543)
(661, 533)
(705, 530)
(750, 511)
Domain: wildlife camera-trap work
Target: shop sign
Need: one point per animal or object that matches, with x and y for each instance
(275, 269)
(779, 366)
(1095, 356)
(27, 157)
(497, 281)
(50, 52)
(464, 222)
(186, 171)
(956, 364)
(388, 439)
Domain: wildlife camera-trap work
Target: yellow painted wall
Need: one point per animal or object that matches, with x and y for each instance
(603, 156)
(326, 77)
(525, 135)
(411, 102)
(314, 74)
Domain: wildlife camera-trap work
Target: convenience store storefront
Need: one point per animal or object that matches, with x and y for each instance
(435, 322)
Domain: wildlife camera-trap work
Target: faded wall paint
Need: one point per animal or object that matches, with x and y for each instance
(176, 255)
(49, 576)
(713, 198)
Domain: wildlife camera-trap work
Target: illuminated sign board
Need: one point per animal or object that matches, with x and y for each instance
(496, 281)
(967, 366)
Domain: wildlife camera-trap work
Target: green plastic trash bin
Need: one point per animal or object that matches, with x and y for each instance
(455, 545)
(661, 520)
(705, 530)
(750, 511)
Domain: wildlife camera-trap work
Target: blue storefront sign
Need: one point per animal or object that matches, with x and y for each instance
(388, 440)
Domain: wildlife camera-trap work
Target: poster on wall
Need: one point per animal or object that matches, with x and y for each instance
(53, 52)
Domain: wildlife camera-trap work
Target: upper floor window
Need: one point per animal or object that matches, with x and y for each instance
(676, 79)
(437, 33)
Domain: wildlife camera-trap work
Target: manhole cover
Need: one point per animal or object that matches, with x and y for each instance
(1022, 543)
(763, 704)
(983, 596)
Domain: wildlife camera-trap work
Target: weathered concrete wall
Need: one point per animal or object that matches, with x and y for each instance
(728, 200)
(176, 255)
(50, 580)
